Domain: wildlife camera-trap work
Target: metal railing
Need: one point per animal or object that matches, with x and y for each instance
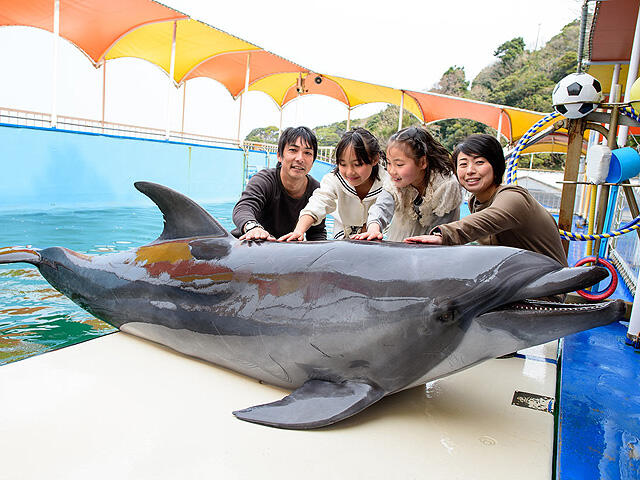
(27, 118)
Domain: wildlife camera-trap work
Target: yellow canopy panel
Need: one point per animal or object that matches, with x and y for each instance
(285, 87)
(195, 43)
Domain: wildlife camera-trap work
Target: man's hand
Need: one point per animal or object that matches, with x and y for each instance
(257, 235)
(428, 239)
(373, 233)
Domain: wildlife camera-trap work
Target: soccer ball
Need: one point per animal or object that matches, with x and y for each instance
(576, 95)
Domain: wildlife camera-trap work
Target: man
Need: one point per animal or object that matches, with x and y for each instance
(270, 205)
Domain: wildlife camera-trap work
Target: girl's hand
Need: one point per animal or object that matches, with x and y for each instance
(428, 239)
(257, 234)
(292, 237)
(373, 233)
(304, 222)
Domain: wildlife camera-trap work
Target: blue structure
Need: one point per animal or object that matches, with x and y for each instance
(45, 168)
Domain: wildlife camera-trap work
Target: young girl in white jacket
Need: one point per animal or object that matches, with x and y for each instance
(348, 191)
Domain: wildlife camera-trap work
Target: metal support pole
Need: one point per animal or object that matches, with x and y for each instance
(244, 92)
(401, 110)
(348, 118)
(184, 101)
(172, 64)
(604, 189)
(280, 127)
(575, 132)
(499, 125)
(632, 74)
(54, 80)
(104, 89)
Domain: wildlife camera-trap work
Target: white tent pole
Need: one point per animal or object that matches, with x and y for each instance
(499, 125)
(632, 74)
(184, 101)
(54, 82)
(172, 66)
(280, 128)
(401, 110)
(104, 87)
(246, 89)
(348, 118)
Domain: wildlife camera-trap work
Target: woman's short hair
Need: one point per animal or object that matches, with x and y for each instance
(483, 145)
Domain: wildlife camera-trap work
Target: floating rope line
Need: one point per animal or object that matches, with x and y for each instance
(512, 168)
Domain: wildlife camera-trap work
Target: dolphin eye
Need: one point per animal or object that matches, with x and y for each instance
(447, 317)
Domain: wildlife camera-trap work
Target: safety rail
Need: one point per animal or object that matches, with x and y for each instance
(28, 118)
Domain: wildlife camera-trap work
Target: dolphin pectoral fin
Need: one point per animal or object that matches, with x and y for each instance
(316, 403)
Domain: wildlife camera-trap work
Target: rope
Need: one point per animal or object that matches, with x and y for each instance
(512, 168)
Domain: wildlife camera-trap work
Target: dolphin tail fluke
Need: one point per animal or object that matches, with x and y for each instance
(183, 218)
(19, 255)
(316, 403)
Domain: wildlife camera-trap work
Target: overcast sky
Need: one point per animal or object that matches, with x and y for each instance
(407, 44)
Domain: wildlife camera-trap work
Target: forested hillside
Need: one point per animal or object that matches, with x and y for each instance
(517, 78)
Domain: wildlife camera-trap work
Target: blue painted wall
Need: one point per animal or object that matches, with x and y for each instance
(44, 169)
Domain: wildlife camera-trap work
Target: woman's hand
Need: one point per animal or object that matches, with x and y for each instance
(257, 235)
(428, 239)
(294, 236)
(373, 233)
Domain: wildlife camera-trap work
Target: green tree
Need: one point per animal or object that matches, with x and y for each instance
(509, 51)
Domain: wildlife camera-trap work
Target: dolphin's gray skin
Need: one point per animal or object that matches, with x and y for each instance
(344, 323)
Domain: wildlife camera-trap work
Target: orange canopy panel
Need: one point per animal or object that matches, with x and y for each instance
(436, 107)
(612, 31)
(611, 40)
(91, 25)
(230, 68)
(515, 121)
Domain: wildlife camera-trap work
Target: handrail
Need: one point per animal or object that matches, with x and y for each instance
(29, 118)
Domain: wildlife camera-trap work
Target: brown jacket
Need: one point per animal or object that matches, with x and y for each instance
(511, 218)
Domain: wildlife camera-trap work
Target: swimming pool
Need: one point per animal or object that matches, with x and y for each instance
(35, 318)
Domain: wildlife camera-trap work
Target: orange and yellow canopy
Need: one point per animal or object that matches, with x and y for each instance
(147, 30)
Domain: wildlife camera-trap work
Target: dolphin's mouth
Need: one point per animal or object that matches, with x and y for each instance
(542, 306)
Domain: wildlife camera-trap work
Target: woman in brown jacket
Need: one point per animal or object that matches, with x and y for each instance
(504, 215)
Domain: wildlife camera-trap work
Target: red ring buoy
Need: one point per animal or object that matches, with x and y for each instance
(612, 286)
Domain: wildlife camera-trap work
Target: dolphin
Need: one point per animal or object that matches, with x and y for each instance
(341, 323)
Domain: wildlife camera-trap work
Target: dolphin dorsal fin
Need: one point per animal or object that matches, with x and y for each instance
(183, 218)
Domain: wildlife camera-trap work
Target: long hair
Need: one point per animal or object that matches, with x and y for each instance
(365, 145)
(417, 142)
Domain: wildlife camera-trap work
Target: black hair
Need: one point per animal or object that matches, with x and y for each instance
(483, 145)
(291, 134)
(365, 145)
(417, 142)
